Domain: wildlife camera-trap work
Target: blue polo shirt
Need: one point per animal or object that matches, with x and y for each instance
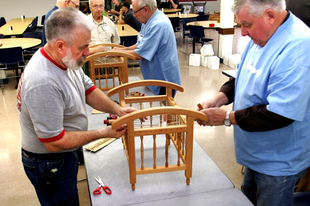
(46, 17)
(276, 75)
(157, 45)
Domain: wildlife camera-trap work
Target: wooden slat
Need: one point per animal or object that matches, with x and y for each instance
(159, 130)
(160, 169)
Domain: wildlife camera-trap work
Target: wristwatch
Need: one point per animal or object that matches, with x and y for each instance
(227, 122)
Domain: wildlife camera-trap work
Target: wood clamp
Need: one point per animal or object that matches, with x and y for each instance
(110, 120)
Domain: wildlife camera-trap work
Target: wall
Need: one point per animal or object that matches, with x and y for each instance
(212, 6)
(10, 9)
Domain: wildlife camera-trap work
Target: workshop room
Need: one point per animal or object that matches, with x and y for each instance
(155, 102)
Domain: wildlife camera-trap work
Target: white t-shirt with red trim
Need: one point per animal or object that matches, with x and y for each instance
(51, 100)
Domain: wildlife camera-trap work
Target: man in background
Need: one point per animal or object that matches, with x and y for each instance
(84, 8)
(156, 47)
(60, 4)
(126, 17)
(117, 8)
(105, 30)
(174, 4)
(51, 101)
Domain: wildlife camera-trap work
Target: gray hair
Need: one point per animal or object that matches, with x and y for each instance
(152, 4)
(89, 1)
(62, 22)
(257, 7)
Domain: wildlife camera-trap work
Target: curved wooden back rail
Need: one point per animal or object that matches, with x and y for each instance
(178, 128)
(106, 45)
(173, 122)
(103, 70)
(120, 90)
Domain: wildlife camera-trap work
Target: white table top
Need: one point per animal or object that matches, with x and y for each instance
(18, 26)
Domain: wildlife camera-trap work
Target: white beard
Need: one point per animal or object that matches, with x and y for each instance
(71, 63)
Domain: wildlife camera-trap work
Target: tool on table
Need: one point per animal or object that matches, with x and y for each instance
(105, 188)
(136, 94)
(110, 119)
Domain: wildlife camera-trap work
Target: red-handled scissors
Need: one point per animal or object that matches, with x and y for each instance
(105, 188)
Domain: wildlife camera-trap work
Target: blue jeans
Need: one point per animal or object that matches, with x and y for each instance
(54, 178)
(266, 190)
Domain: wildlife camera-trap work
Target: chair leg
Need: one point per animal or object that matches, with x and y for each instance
(2, 85)
(17, 77)
(193, 47)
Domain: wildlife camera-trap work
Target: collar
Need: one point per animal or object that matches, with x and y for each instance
(50, 59)
(102, 21)
(287, 16)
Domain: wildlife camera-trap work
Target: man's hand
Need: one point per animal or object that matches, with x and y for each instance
(96, 49)
(126, 110)
(212, 109)
(116, 133)
(100, 48)
(216, 116)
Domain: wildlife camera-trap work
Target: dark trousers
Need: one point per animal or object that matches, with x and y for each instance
(54, 177)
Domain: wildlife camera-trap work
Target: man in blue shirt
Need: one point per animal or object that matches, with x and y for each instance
(271, 95)
(156, 45)
(59, 4)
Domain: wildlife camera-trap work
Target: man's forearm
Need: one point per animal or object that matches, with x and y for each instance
(100, 101)
(74, 139)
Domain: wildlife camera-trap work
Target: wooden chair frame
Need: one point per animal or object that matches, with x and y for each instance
(178, 129)
(108, 70)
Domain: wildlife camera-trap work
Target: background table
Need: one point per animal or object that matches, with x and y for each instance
(181, 16)
(128, 35)
(205, 24)
(19, 26)
(24, 43)
(127, 31)
(166, 11)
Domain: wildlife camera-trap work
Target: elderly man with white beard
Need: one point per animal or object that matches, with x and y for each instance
(51, 100)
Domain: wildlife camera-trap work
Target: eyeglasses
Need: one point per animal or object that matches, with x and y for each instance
(138, 10)
(98, 6)
(76, 6)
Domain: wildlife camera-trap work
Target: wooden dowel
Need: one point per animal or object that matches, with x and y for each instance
(154, 151)
(142, 153)
(200, 106)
